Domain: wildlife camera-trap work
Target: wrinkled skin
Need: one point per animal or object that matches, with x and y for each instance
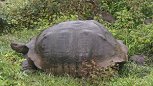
(28, 64)
(22, 48)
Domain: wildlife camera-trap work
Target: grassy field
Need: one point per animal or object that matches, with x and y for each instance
(11, 74)
(129, 27)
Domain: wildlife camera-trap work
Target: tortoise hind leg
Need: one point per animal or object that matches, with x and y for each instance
(121, 65)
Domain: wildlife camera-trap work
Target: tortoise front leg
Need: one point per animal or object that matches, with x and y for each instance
(28, 65)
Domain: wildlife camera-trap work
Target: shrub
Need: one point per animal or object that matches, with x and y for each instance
(27, 13)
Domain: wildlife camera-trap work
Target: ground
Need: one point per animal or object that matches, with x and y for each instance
(11, 74)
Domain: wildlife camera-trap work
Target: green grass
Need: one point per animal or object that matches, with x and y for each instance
(138, 38)
(11, 74)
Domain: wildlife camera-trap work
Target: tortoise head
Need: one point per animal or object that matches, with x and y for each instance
(20, 48)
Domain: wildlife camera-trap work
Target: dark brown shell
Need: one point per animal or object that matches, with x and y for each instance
(66, 45)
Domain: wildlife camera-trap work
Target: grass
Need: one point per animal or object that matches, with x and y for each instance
(11, 74)
(137, 38)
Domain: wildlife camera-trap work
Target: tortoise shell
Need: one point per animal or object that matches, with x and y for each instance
(63, 47)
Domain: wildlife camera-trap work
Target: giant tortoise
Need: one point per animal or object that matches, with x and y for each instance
(63, 48)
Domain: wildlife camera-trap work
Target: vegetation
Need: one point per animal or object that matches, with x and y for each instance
(20, 20)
